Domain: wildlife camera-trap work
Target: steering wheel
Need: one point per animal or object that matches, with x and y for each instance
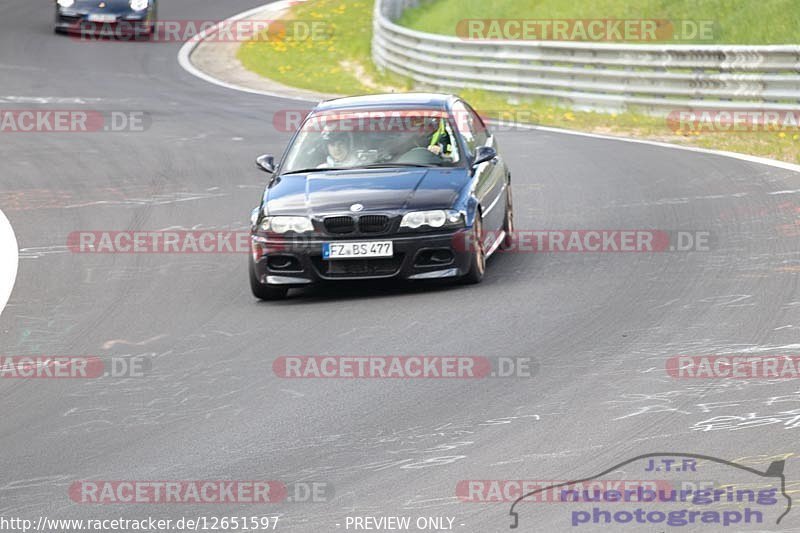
(420, 156)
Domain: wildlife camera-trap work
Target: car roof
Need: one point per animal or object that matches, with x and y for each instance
(388, 101)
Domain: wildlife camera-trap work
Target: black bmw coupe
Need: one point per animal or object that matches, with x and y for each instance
(408, 186)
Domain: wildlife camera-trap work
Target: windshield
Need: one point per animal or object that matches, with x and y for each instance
(374, 139)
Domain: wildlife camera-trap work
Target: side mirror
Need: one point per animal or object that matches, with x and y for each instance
(266, 163)
(482, 155)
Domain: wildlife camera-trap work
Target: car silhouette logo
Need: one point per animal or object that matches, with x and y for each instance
(355, 208)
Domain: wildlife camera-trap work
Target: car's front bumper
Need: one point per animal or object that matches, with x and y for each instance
(124, 24)
(416, 257)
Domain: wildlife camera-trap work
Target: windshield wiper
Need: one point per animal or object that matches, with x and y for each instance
(398, 165)
(361, 167)
(310, 170)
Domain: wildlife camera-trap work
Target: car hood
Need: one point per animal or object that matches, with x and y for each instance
(383, 190)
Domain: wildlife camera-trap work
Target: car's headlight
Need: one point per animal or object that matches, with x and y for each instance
(286, 224)
(139, 5)
(66, 3)
(438, 218)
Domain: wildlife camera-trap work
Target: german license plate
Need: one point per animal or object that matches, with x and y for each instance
(357, 250)
(96, 17)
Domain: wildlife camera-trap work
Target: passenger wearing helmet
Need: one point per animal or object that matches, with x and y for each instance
(340, 152)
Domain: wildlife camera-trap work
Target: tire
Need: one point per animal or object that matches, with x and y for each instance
(478, 262)
(263, 291)
(508, 224)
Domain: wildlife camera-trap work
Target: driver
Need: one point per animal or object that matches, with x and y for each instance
(440, 141)
(435, 137)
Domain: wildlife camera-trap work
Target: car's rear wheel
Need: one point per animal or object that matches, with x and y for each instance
(478, 261)
(508, 224)
(262, 291)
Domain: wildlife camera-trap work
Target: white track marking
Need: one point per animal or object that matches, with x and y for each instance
(185, 62)
(186, 50)
(744, 157)
(784, 192)
(45, 100)
(9, 260)
(110, 344)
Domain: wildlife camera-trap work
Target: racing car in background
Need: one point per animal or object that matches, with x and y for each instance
(106, 17)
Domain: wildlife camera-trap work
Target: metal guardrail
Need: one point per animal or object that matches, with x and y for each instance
(606, 77)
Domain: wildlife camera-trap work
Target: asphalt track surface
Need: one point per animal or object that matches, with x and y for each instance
(600, 325)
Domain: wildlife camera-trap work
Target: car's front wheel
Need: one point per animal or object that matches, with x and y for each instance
(262, 291)
(478, 260)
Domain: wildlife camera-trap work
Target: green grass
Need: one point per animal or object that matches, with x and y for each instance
(772, 144)
(338, 63)
(734, 21)
(318, 65)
